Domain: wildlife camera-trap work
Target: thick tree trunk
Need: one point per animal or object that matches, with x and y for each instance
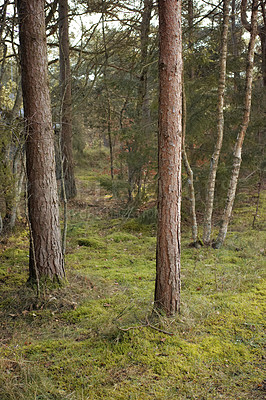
(207, 226)
(168, 285)
(46, 259)
(240, 139)
(66, 108)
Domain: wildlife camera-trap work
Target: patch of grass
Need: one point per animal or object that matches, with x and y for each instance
(121, 237)
(97, 337)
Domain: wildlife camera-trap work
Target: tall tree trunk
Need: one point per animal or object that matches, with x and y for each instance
(260, 182)
(190, 5)
(262, 35)
(190, 175)
(235, 43)
(168, 284)
(3, 46)
(240, 139)
(66, 108)
(143, 106)
(110, 142)
(46, 258)
(17, 169)
(207, 226)
(261, 32)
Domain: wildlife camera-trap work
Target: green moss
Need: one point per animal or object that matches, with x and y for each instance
(121, 237)
(91, 242)
(135, 225)
(91, 339)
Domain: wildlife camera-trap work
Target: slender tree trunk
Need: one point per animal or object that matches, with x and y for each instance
(260, 182)
(190, 4)
(143, 103)
(66, 108)
(3, 46)
(190, 175)
(18, 169)
(168, 284)
(108, 101)
(19, 179)
(207, 226)
(240, 139)
(235, 42)
(143, 106)
(46, 258)
(261, 32)
(262, 35)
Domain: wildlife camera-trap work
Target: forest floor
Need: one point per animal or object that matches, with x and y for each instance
(97, 338)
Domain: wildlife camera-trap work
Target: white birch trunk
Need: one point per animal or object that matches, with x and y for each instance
(207, 226)
(240, 139)
(190, 175)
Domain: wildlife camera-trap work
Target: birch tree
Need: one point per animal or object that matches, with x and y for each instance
(241, 135)
(66, 107)
(207, 226)
(190, 175)
(261, 32)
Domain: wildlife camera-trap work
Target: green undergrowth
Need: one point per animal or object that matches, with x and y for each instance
(97, 337)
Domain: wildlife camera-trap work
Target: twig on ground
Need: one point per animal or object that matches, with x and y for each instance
(146, 325)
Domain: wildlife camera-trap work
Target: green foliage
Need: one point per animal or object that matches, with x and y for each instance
(6, 100)
(149, 216)
(118, 187)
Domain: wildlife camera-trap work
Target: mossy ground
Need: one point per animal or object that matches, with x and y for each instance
(97, 338)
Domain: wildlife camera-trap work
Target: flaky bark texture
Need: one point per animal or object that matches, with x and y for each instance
(240, 139)
(261, 33)
(46, 259)
(66, 108)
(207, 226)
(167, 287)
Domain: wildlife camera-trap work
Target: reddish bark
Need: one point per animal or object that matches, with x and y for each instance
(46, 257)
(167, 288)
